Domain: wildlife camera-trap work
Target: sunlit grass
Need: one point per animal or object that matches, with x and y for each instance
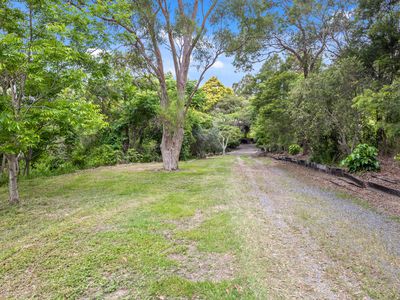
(98, 232)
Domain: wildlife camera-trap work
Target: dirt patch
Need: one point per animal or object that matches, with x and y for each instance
(202, 266)
(118, 294)
(188, 223)
(196, 265)
(389, 174)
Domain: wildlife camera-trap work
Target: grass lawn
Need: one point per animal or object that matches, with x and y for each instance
(124, 232)
(220, 228)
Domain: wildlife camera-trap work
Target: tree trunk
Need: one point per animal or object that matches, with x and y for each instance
(224, 144)
(171, 145)
(28, 159)
(126, 141)
(305, 72)
(12, 174)
(3, 164)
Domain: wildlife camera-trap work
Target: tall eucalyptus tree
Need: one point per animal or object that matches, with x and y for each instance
(186, 34)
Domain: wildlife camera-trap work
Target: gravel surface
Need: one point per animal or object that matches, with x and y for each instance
(342, 208)
(338, 248)
(246, 149)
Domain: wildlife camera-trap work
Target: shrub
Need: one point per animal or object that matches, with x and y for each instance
(150, 151)
(295, 149)
(78, 157)
(363, 158)
(397, 157)
(133, 156)
(48, 165)
(103, 155)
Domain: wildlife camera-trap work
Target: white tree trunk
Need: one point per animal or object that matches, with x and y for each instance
(224, 144)
(12, 176)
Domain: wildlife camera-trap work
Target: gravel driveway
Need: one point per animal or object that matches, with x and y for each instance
(316, 243)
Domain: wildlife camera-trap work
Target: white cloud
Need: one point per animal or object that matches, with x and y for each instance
(218, 65)
(95, 52)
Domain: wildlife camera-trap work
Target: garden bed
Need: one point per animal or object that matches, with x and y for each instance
(388, 176)
(387, 180)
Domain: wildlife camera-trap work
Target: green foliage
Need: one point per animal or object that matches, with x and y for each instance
(273, 125)
(133, 156)
(103, 155)
(376, 38)
(322, 109)
(52, 165)
(300, 29)
(397, 157)
(294, 149)
(381, 113)
(151, 151)
(232, 133)
(363, 158)
(325, 151)
(214, 91)
(43, 69)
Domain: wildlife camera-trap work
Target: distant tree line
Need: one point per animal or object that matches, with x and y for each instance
(332, 81)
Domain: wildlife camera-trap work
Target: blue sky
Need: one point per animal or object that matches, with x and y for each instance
(223, 69)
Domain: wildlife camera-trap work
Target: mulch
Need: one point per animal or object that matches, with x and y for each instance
(389, 174)
(383, 192)
(380, 201)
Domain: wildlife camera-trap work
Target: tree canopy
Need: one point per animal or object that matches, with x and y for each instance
(89, 83)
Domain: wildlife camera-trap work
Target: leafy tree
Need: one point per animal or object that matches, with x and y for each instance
(376, 38)
(323, 112)
(230, 121)
(214, 91)
(228, 135)
(273, 127)
(301, 29)
(36, 77)
(143, 27)
(381, 112)
(245, 86)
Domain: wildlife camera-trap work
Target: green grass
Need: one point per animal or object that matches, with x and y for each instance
(173, 287)
(215, 234)
(136, 232)
(98, 232)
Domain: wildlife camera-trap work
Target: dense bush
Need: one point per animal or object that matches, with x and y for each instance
(51, 163)
(295, 149)
(273, 122)
(133, 156)
(151, 151)
(397, 157)
(104, 155)
(363, 158)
